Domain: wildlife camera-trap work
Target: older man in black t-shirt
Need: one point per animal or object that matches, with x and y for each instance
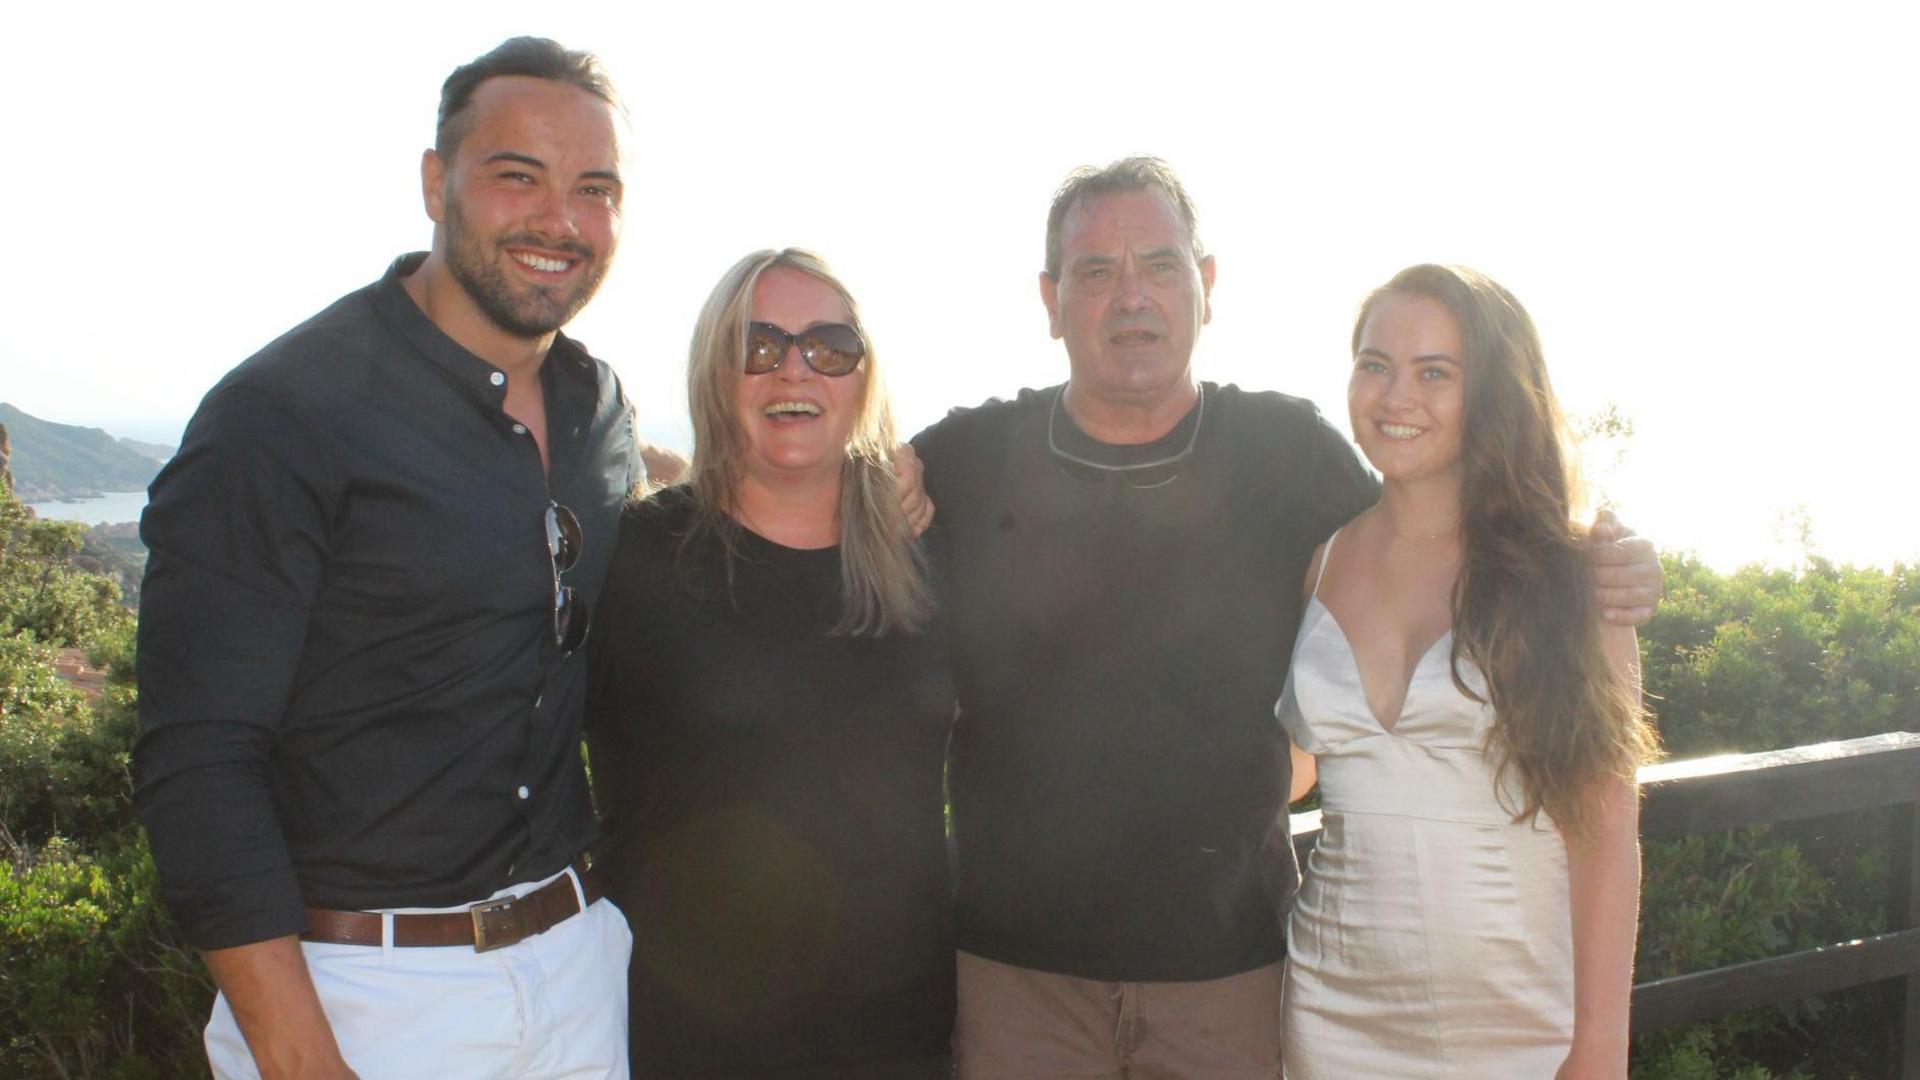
(1127, 552)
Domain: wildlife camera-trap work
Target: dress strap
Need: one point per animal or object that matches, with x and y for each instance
(1326, 555)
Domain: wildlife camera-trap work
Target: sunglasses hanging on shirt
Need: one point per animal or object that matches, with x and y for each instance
(571, 616)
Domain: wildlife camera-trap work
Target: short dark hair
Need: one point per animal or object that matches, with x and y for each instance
(1138, 173)
(541, 58)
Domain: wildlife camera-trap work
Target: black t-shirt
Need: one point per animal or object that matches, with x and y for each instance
(773, 819)
(1119, 642)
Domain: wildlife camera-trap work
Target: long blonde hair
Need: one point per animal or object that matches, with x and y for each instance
(1523, 606)
(883, 579)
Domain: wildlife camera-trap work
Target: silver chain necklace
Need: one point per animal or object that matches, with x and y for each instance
(1185, 452)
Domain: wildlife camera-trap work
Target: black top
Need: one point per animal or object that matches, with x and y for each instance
(772, 810)
(349, 691)
(1119, 641)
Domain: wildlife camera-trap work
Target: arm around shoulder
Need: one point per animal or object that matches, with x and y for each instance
(1626, 572)
(664, 467)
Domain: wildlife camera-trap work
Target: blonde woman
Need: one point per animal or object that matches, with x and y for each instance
(769, 714)
(1471, 906)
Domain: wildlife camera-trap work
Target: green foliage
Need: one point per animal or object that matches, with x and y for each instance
(1702, 1052)
(95, 983)
(93, 979)
(116, 553)
(36, 711)
(41, 591)
(65, 767)
(1767, 659)
(1763, 660)
(1700, 916)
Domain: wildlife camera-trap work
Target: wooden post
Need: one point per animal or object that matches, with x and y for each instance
(1903, 912)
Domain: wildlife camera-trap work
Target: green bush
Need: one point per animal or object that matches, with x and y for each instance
(41, 591)
(34, 706)
(64, 766)
(1764, 660)
(94, 981)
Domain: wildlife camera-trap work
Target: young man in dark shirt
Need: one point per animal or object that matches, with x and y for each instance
(372, 562)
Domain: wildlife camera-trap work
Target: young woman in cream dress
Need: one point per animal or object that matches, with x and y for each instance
(1470, 909)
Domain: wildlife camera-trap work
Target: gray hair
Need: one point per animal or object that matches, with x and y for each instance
(1139, 173)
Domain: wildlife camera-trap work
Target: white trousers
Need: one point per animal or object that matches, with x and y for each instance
(553, 1005)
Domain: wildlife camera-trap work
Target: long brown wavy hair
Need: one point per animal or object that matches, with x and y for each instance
(1523, 609)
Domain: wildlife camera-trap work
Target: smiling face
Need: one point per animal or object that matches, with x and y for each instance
(1130, 299)
(1406, 396)
(797, 421)
(529, 208)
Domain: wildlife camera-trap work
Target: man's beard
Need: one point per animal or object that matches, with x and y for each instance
(522, 309)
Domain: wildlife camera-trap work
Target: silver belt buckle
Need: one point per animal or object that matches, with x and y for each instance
(482, 941)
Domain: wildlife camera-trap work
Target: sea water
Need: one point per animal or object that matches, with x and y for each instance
(111, 509)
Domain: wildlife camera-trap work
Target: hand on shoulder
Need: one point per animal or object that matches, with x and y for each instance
(1627, 578)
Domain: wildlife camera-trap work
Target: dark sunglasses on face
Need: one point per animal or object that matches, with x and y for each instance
(571, 617)
(831, 348)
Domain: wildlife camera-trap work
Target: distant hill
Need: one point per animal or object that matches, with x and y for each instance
(148, 449)
(62, 461)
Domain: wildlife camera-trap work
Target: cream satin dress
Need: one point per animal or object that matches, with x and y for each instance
(1431, 935)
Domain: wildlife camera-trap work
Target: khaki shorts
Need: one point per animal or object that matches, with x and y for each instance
(1016, 1023)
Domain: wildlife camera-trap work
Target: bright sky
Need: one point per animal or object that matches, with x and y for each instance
(1709, 208)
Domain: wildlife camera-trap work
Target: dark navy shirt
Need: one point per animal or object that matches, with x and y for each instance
(350, 696)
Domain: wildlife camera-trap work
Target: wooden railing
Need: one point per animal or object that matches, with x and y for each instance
(1739, 790)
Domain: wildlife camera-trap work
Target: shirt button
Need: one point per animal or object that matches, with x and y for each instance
(523, 792)
(498, 378)
(519, 429)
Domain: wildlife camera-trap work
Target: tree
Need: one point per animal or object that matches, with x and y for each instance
(93, 979)
(1763, 659)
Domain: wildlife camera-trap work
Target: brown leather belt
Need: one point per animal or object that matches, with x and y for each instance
(490, 924)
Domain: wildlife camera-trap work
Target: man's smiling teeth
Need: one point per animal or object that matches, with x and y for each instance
(782, 408)
(551, 266)
(1400, 431)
